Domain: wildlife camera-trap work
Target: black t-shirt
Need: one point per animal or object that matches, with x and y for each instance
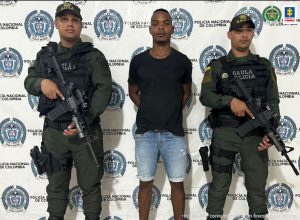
(160, 82)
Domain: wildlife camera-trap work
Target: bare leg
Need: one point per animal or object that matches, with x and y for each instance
(144, 197)
(178, 200)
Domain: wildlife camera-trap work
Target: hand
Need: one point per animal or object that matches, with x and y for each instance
(265, 144)
(71, 130)
(50, 89)
(239, 108)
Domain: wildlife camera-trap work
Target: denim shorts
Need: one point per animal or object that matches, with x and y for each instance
(151, 145)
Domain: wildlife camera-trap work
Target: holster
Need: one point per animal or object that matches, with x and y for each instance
(203, 151)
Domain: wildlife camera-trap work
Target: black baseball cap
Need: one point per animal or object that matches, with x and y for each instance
(238, 21)
(68, 7)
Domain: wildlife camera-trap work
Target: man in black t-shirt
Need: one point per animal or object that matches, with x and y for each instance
(160, 85)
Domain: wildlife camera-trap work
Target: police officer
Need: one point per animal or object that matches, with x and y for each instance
(229, 112)
(88, 69)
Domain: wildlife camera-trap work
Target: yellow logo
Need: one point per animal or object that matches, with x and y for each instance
(67, 6)
(207, 75)
(242, 18)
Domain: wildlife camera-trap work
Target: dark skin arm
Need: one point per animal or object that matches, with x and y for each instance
(186, 92)
(134, 94)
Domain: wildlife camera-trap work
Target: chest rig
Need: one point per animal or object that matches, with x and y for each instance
(75, 69)
(253, 73)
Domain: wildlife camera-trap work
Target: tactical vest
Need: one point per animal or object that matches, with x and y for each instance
(253, 73)
(75, 68)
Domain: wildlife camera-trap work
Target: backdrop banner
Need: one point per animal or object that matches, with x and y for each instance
(120, 30)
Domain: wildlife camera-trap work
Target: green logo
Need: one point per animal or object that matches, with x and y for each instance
(272, 14)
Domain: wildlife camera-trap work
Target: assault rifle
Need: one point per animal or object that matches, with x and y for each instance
(261, 119)
(74, 102)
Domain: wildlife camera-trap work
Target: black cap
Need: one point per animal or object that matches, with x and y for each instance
(67, 6)
(238, 21)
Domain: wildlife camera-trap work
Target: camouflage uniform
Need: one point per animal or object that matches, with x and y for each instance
(226, 142)
(72, 148)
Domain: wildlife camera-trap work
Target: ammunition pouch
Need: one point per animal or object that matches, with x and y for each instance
(46, 162)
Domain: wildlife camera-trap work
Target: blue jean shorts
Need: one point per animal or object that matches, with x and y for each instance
(151, 145)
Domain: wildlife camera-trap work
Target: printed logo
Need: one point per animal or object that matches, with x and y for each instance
(11, 62)
(210, 53)
(285, 59)
(75, 199)
(77, 2)
(287, 129)
(203, 195)
(14, 165)
(279, 197)
(33, 101)
(7, 3)
(112, 218)
(241, 217)
(182, 22)
(272, 15)
(289, 94)
(15, 199)
(299, 162)
(236, 169)
(108, 24)
(39, 25)
(13, 132)
(205, 132)
(115, 131)
(114, 163)
(139, 50)
(289, 14)
(256, 17)
(35, 172)
(118, 62)
(116, 197)
(117, 98)
(155, 197)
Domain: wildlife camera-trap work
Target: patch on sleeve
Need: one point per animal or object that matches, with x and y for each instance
(207, 75)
